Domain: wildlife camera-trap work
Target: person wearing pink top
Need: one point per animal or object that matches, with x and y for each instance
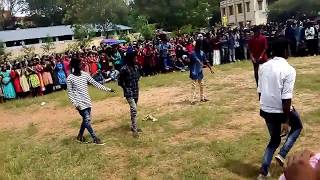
(66, 65)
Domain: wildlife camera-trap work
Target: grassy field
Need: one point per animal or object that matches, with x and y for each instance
(222, 139)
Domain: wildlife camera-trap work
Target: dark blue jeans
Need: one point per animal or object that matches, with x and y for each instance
(86, 123)
(274, 121)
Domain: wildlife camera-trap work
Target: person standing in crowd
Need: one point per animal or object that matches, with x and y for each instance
(16, 81)
(1, 90)
(33, 79)
(275, 87)
(117, 59)
(237, 45)
(216, 50)
(290, 35)
(245, 38)
(93, 65)
(78, 93)
(147, 53)
(317, 28)
(231, 47)
(60, 75)
(7, 86)
(47, 77)
(224, 48)
(258, 46)
(21, 70)
(129, 81)
(197, 61)
(310, 34)
(164, 50)
(207, 48)
(298, 36)
(39, 71)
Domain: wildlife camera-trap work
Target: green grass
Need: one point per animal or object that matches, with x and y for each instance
(172, 148)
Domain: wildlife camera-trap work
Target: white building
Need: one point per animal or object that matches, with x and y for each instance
(239, 12)
(21, 37)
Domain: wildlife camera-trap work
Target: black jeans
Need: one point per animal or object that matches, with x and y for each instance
(274, 121)
(86, 123)
(256, 72)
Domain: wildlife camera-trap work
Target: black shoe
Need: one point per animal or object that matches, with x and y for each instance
(135, 134)
(82, 139)
(98, 141)
(138, 130)
(204, 100)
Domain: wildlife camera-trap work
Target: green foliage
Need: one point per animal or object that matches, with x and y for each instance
(1, 48)
(282, 10)
(187, 29)
(148, 31)
(175, 14)
(46, 12)
(140, 24)
(29, 51)
(3, 54)
(73, 47)
(48, 45)
(124, 37)
(102, 13)
(83, 34)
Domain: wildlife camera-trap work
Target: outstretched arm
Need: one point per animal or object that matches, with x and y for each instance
(97, 85)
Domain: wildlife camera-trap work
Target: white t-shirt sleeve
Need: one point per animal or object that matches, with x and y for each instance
(259, 80)
(288, 84)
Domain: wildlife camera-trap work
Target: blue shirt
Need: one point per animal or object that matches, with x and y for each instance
(197, 60)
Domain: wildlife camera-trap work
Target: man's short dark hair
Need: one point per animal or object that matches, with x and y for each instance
(256, 29)
(280, 47)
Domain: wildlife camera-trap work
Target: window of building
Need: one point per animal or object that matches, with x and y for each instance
(65, 38)
(231, 10)
(31, 41)
(248, 6)
(260, 4)
(13, 43)
(239, 8)
(223, 11)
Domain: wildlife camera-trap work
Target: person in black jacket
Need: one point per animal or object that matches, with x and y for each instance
(129, 81)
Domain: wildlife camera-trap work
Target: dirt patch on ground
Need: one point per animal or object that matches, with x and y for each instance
(51, 120)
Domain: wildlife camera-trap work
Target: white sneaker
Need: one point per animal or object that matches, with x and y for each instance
(263, 177)
(280, 160)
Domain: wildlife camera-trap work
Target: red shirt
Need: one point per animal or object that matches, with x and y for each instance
(189, 48)
(256, 46)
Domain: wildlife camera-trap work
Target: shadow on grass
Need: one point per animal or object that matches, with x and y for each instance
(243, 169)
(123, 128)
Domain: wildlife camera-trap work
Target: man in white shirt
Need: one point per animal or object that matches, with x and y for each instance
(275, 87)
(311, 40)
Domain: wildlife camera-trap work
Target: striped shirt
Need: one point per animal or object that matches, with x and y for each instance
(78, 90)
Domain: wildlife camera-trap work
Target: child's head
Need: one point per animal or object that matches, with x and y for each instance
(75, 64)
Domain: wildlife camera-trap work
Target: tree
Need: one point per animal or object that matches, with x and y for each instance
(175, 14)
(101, 13)
(282, 10)
(8, 10)
(83, 34)
(46, 12)
(141, 25)
(2, 52)
(29, 51)
(14, 6)
(48, 45)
